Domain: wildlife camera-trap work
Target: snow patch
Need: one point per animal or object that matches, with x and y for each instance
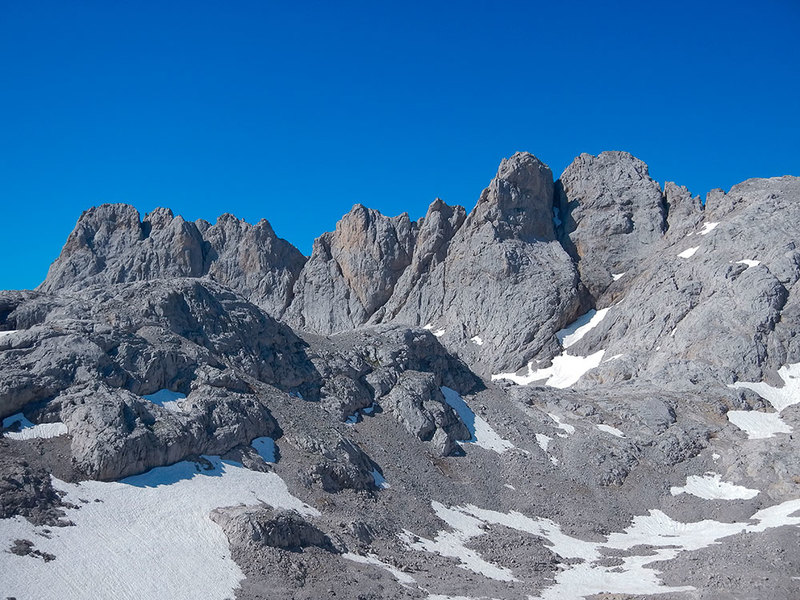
(564, 371)
(708, 228)
(611, 430)
(482, 433)
(147, 536)
(616, 276)
(476, 340)
(166, 399)
(711, 487)
(453, 543)
(7, 333)
(778, 397)
(580, 327)
(689, 252)
(569, 429)
(29, 431)
(439, 332)
(371, 559)
(544, 443)
(749, 263)
(758, 425)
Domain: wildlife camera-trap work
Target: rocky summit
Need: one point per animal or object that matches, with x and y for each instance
(581, 388)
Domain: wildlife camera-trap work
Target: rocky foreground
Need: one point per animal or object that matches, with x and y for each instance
(585, 388)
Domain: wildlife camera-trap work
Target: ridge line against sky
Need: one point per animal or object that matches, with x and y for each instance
(295, 113)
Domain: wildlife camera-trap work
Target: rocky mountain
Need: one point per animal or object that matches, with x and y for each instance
(581, 388)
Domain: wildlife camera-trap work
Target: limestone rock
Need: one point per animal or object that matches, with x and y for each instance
(418, 403)
(612, 213)
(352, 272)
(260, 526)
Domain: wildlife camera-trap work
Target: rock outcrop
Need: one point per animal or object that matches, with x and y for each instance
(352, 271)
(110, 244)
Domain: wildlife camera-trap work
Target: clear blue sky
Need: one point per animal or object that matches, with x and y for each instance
(294, 111)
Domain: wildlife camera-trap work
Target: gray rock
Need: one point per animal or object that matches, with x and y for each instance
(612, 213)
(505, 279)
(111, 245)
(260, 526)
(419, 405)
(352, 272)
(253, 261)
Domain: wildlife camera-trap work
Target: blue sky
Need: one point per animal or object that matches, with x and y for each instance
(296, 111)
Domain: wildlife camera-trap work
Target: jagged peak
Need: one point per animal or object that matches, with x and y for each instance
(519, 200)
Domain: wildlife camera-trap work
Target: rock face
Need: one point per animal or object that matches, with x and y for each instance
(352, 271)
(111, 245)
(419, 405)
(505, 284)
(612, 213)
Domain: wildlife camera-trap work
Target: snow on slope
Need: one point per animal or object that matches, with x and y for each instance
(760, 425)
(371, 559)
(689, 252)
(711, 487)
(649, 540)
(482, 433)
(612, 430)
(580, 327)
(144, 537)
(565, 369)
(29, 431)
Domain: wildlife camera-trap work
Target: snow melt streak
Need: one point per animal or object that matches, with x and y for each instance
(148, 536)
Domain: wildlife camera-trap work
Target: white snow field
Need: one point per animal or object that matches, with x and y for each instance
(167, 399)
(689, 252)
(477, 340)
(566, 427)
(585, 575)
(29, 431)
(760, 425)
(778, 397)
(711, 487)
(482, 433)
(617, 276)
(144, 537)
